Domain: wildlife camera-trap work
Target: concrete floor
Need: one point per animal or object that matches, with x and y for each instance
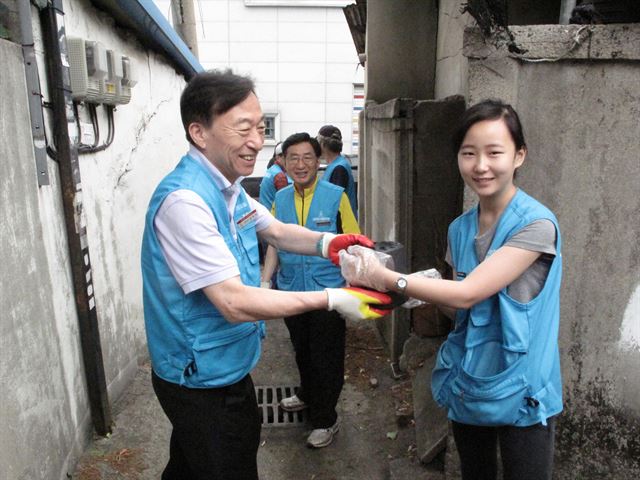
(370, 445)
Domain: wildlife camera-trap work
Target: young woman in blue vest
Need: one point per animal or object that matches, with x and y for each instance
(338, 169)
(498, 373)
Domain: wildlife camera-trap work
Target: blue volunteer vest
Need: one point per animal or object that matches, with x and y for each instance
(500, 365)
(350, 190)
(267, 188)
(303, 272)
(189, 340)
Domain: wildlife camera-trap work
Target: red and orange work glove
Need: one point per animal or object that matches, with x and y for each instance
(330, 244)
(355, 303)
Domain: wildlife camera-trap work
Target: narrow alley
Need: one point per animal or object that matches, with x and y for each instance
(376, 439)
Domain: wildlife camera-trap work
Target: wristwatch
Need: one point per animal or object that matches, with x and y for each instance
(401, 284)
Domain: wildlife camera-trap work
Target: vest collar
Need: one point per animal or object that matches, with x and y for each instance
(308, 192)
(224, 185)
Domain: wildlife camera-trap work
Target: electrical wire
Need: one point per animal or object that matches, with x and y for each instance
(84, 149)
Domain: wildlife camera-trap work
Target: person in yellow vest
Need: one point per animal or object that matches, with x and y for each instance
(318, 336)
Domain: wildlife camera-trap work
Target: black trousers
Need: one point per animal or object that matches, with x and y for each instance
(318, 340)
(216, 431)
(526, 452)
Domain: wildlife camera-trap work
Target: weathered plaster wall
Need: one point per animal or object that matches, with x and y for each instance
(578, 93)
(451, 64)
(45, 419)
(118, 183)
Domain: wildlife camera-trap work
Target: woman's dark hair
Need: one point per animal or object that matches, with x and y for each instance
(301, 138)
(490, 109)
(330, 138)
(212, 93)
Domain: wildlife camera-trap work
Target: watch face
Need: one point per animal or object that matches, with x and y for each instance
(401, 283)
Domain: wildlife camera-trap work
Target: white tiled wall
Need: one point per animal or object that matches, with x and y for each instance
(302, 59)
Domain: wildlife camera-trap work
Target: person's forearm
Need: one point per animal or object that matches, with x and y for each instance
(270, 264)
(241, 303)
(444, 293)
(292, 238)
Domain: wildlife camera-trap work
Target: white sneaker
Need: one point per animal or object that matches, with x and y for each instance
(292, 404)
(321, 437)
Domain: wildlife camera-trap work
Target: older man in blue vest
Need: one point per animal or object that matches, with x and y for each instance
(203, 306)
(318, 336)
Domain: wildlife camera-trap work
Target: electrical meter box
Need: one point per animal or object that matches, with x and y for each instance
(114, 78)
(87, 69)
(128, 81)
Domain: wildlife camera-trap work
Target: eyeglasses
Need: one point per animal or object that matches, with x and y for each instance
(306, 159)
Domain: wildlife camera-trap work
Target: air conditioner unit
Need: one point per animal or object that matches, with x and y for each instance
(87, 69)
(128, 81)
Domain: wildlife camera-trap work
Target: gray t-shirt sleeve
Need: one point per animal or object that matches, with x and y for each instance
(538, 236)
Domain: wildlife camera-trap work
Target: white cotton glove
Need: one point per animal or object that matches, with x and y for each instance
(358, 303)
(360, 266)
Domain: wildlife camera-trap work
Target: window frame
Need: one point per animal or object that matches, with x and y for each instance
(272, 140)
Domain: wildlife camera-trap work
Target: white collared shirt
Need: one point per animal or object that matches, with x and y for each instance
(194, 249)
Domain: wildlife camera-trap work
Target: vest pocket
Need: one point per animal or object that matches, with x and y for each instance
(249, 241)
(327, 277)
(490, 401)
(448, 357)
(222, 358)
(286, 278)
(482, 313)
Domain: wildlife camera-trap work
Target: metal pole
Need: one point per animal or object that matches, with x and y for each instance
(184, 18)
(35, 97)
(52, 18)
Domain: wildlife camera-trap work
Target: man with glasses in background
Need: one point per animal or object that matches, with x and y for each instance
(318, 336)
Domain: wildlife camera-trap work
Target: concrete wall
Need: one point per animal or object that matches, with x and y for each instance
(400, 47)
(302, 59)
(451, 64)
(45, 419)
(578, 93)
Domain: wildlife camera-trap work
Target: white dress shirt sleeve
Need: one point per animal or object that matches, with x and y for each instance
(264, 217)
(194, 249)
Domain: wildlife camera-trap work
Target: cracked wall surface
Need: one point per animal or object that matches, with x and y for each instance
(46, 421)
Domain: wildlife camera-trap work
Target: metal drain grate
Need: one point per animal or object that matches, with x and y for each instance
(271, 414)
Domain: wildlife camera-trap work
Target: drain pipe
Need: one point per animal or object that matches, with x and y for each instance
(52, 19)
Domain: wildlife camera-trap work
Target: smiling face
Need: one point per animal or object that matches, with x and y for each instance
(488, 159)
(301, 164)
(232, 142)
